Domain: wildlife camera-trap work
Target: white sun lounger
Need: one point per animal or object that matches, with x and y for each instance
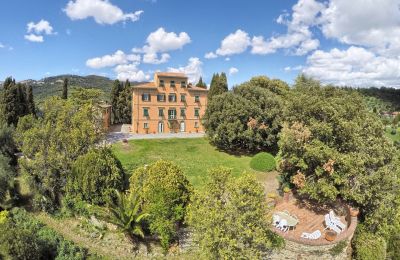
(314, 235)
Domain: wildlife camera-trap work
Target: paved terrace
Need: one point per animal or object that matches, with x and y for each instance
(311, 220)
(119, 132)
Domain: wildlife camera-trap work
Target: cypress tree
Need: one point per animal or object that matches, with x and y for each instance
(65, 89)
(201, 84)
(10, 102)
(29, 101)
(219, 85)
(115, 92)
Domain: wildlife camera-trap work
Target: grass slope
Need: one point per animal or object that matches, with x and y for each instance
(395, 137)
(195, 156)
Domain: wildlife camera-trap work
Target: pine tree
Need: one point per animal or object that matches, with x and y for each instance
(115, 93)
(65, 89)
(30, 101)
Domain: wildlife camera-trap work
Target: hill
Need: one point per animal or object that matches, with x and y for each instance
(52, 86)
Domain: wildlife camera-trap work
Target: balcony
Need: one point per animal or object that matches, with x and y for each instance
(172, 117)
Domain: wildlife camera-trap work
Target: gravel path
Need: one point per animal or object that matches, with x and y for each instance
(114, 137)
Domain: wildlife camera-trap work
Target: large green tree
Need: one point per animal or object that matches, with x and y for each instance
(247, 118)
(201, 84)
(228, 218)
(14, 101)
(164, 193)
(52, 142)
(115, 93)
(95, 175)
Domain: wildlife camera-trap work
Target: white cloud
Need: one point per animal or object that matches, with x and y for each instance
(34, 38)
(299, 38)
(42, 27)
(130, 72)
(161, 41)
(193, 69)
(102, 11)
(234, 43)
(119, 57)
(2, 46)
(355, 66)
(233, 70)
(366, 23)
(296, 68)
(210, 55)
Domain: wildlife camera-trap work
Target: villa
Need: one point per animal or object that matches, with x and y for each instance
(169, 104)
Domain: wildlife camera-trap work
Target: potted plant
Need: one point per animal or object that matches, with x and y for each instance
(330, 235)
(354, 211)
(286, 193)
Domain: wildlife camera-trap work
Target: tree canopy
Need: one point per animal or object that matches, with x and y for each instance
(52, 142)
(228, 218)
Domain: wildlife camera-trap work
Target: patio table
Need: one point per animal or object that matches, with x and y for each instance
(292, 221)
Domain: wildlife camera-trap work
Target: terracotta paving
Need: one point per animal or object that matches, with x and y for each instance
(309, 221)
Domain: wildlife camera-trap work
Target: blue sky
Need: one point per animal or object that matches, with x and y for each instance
(336, 41)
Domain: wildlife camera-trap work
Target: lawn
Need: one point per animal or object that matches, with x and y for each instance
(395, 137)
(195, 156)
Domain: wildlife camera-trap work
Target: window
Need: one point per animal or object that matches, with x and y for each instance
(161, 97)
(146, 97)
(183, 112)
(183, 98)
(196, 124)
(196, 98)
(172, 97)
(172, 113)
(146, 125)
(146, 112)
(196, 112)
(183, 84)
(161, 112)
(162, 83)
(172, 84)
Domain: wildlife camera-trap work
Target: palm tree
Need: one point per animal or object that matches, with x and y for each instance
(125, 213)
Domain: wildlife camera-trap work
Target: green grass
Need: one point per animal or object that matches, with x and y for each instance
(263, 162)
(395, 137)
(195, 156)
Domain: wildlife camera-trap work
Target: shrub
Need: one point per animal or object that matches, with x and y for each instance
(338, 248)
(393, 131)
(164, 193)
(369, 246)
(263, 162)
(95, 176)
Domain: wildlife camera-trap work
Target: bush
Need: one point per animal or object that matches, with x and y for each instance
(24, 237)
(368, 246)
(263, 162)
(393, 131)
(95, 176)
(164, 193)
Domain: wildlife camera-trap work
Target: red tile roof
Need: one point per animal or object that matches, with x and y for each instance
(171, 74)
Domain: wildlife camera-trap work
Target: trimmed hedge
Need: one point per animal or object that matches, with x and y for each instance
(263, 162)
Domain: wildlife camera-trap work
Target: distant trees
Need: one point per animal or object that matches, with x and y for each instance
(95, 176)
(121, 102)
(247, 118)
(16, 101)
(219, 85)
(65, 89)
(164, 193)
(228, 218)
(52, 143)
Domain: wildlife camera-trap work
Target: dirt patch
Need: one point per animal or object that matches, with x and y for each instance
(269, 180)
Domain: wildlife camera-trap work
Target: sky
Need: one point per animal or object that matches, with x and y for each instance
(342, 42)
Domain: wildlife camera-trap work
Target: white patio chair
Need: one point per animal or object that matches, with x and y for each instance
(275, 220)
(283, 226)
(331, 225)
(336, 220)
(314, 235)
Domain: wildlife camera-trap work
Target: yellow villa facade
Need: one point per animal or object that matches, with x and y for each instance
(169, 104)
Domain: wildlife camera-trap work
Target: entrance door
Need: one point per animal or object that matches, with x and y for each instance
(161, 127)
(182, 126)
